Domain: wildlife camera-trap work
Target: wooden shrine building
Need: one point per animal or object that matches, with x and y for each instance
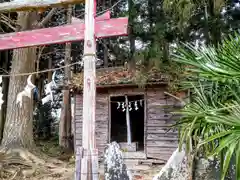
(149, 111)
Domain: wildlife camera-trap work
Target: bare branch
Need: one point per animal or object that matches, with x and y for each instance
(41, 48)
(8, 22)
(3, 16)
(39, 56)
(9, 25)
(47, 18)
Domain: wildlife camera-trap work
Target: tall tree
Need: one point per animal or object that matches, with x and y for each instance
(206, 14)
(65, 119)
(132, 38)
(18, 130)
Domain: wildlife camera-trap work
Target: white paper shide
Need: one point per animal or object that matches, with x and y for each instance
(26, 92)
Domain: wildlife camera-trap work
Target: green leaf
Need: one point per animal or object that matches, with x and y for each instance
(225, 143)
(216, 136)
(237, 152)
(227, 159)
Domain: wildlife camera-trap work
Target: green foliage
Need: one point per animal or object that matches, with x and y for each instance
(182, 10)
(43, 121)
(211, 121)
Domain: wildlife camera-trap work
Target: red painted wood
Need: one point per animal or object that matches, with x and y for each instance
(62, 34)
(105, 16)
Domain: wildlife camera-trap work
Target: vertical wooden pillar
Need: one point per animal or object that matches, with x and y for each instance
(79, 153)
(90, 156)
(129, 135)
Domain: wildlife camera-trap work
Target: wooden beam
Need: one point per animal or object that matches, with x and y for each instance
(27, 5)
(62, 34)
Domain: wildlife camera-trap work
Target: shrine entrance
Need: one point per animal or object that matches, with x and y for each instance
(118, 122)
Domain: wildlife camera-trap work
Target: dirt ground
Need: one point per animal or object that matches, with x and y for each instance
(58, 165)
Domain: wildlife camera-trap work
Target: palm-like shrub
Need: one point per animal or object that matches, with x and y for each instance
(211, 120)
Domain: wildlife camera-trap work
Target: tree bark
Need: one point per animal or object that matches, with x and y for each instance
(131, 35)
(65, 124)
(5, 83)
(165, 48)
(105, 42)
(215, 31)
(18, 129)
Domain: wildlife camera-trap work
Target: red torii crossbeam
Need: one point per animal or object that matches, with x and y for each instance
(63, 34)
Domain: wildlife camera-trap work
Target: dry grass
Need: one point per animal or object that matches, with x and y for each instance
(46, 162)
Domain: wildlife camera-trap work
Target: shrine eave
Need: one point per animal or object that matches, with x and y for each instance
(121, 77)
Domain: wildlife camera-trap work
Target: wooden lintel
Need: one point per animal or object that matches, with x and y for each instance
(29, 5)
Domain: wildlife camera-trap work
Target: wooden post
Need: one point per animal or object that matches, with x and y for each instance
(66, 116)
(79, 153)
(129, 136)
(89, 166)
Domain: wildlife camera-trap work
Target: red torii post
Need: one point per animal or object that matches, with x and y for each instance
(100, 27)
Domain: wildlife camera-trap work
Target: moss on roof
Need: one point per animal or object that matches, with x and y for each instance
(121, 76)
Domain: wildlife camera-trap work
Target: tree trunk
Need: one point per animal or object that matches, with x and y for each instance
(206, 24)
(65, 140)
(105, 42)
(215, 31)
(5, 83)
(165, 47)
(65, 124)
(18, 130)
(49, 67)
(131, 33)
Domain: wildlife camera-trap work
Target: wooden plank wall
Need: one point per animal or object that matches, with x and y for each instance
(160, 142)
(101, 121)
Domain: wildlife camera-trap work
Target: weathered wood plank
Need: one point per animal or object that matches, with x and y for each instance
(161, 138)
(160, 122)
(161, 144)
(26, 5)
(155, 149)
(78, 142)
(78, 124)
(99, 125)
(62, 34)
(78, 117)
(154, 115)
(156, 103)
(159, 156)
(157, 130)
(168, 134)
(99, 117)
(102, 137)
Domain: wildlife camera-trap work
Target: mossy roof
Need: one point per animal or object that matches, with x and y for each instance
(110, 77)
